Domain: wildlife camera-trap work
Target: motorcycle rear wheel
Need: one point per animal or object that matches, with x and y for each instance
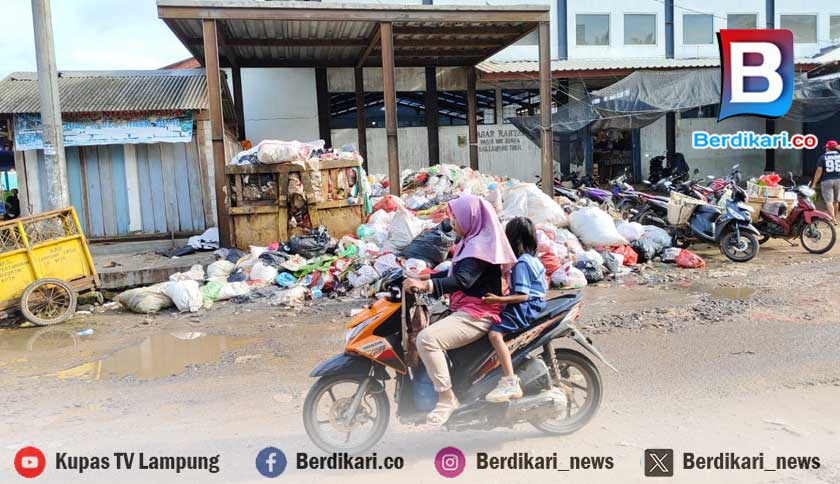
(314, 424)
(733, 252)
(566, 361)
(810, 231)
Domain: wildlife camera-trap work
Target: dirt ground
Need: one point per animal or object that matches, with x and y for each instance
(733, 358)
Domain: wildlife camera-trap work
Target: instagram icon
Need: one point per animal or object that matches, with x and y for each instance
(450, 462)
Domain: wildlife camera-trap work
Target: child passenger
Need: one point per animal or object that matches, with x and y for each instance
(526, 300)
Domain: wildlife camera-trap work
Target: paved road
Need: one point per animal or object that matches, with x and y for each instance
(759, 375)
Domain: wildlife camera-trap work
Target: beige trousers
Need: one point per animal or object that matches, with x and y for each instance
(454, 331)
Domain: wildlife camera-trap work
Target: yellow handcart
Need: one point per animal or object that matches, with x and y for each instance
(45, 263)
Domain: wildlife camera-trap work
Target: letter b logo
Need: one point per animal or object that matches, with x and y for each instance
(756, 72)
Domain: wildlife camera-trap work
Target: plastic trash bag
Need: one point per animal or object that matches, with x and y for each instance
(363, 276)
(568, 277)
(262, 272)
(404, 228)
(689, 260)
(185, 294)
(431, 246)
(645, 249)
(285, 279)
(591, 271)
(380, 217)
(659, 236)
(527, 200)
(612, 262)
(316, 243)
(443, 266)
(232, 290)
(145, 300)
(595, 228)
(670, 254)
(196, 273)
(386, 262)
(273, 151)
(220, 268)
(210, 291)
(629, 256)
(415, 267)
(630, 230)
(590, 255)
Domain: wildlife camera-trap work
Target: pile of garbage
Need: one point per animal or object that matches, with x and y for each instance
(579, 244)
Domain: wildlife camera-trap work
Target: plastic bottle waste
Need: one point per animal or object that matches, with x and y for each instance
(85, 332)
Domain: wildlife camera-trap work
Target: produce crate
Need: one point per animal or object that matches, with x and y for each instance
(755, 190)
(680, 208)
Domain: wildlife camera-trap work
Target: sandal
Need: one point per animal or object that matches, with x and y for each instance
(441, 413)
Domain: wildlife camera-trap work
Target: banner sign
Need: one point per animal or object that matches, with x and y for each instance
(105, 129)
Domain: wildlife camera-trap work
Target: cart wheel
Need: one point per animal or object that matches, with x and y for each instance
(48, 301)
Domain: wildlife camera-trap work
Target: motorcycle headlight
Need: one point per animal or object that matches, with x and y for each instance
(733, 212)
(355, 330)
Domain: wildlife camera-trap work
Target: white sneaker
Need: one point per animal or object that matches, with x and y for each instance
(507, 389)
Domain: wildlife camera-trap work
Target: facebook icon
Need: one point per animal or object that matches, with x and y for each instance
(271, 462)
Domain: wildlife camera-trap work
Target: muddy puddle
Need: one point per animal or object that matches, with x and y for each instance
(724, 292)
(39, 339)
(158, 356)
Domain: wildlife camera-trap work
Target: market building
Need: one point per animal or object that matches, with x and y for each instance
(593, 46)
(137, 145)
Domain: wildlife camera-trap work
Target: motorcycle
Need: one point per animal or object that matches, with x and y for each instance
(728, 226)
(814, 228)
(665, 166)
(348, 410)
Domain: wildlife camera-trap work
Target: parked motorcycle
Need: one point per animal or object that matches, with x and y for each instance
(814, 228)
(664, 166)
(729, 227)
(347, 409)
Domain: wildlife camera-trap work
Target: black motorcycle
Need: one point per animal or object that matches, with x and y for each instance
(729, 227)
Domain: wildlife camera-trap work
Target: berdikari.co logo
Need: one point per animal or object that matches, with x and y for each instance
(756, 72)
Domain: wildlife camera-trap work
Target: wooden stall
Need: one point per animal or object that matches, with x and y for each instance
(270, 203)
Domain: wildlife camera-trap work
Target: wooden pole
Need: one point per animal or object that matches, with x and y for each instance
(322, 93)
(390, 92)
(432, 135)
(361, 114)
(237, 100)
(546, 135)
(472, 118)
(217, 128)
(55, 168)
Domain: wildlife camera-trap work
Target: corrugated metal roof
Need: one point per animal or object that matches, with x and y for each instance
(109, 91)
(316, 34)
(575, 65)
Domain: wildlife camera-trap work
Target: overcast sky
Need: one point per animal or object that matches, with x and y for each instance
(90, 34)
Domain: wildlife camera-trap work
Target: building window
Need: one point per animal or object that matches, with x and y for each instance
(452, 107)
(592, 29)
(741, 21)
(708, 111)
(410, 110)
(698, 29)
(639, 29)
(834, 28)
(804, 27)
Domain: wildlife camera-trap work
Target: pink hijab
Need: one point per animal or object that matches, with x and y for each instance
(483, 235)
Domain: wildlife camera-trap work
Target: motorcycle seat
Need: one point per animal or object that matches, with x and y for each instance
(554, 307)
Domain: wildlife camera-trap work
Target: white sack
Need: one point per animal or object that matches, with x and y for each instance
(595, 228)
(185, 294)
(527, 200)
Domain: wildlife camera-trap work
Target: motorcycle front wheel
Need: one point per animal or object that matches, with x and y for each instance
(739, 249)
(818, 237)
(326, 419)
(580, 380)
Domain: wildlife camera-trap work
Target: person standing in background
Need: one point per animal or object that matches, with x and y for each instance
(828, 176)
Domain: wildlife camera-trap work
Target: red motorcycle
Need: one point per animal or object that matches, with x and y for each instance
(814, 228)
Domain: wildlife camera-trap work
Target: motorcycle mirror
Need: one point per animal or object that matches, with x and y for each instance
(736, 166)
(710, 177)
(696, 171)
(647, 182)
